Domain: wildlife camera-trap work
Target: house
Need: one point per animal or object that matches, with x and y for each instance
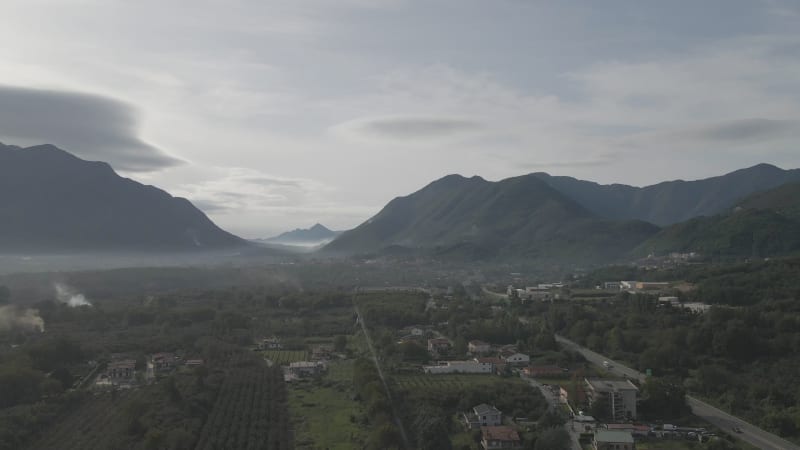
(613, 440)
(121, 371)
(163, 362)
(517, 359)
(612, 285)
(477, 347)
(438, 345)
(544, 372)
(321, 352)
(272, 343)
(500, 437)
(620, 396)
(302, 369)
(498, 364)
(459, 367)
(483, 415)
(635, 430)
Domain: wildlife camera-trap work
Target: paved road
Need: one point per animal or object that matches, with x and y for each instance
(750, 433)
(553, 404)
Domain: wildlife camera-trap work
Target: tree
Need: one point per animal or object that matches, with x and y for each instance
(600, 407)
(340, 343)
(664, 397)
(550, 419)
(553, 439)
(430, 428)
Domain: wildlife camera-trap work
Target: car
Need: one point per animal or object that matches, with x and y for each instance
(737, 429)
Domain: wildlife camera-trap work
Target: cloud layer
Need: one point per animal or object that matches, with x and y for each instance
(90, 126)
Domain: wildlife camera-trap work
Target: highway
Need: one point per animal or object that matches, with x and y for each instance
(726, 422)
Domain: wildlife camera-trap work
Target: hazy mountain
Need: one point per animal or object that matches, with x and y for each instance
(672, 201)
(51, 200)
(763, 224)
(316, 235)
(474, 218)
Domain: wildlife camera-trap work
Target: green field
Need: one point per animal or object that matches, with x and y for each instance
(324, 414)
(284, 357)
(455, 380)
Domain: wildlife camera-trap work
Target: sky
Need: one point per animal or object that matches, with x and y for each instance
(273, 115)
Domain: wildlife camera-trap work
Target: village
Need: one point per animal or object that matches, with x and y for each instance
(598, 407)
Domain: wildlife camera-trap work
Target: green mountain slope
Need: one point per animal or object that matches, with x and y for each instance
(468, 218)
(673, 201)
(763, 224)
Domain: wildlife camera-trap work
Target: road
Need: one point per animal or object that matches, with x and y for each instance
(553, 404)
(750, 433)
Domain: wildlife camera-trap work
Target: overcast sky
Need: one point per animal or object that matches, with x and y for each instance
(271, 115)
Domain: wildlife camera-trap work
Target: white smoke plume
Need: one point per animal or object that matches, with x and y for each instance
(14, 318)
(67, 295)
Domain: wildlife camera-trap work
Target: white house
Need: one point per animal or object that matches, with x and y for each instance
(517, 359)
(476, 346)
(459, 367)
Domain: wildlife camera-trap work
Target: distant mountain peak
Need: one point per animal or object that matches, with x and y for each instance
(316, 235)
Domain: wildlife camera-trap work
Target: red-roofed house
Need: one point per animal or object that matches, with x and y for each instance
(500, 437)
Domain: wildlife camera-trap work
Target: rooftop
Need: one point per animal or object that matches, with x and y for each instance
(484, 409)
(499, 433)
(602, 385)
(617, 437)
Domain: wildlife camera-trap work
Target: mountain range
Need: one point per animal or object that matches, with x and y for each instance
(52, 201)
(762, 224)
(543, 216)
(304, 237)
(671, 201)
(521, 217)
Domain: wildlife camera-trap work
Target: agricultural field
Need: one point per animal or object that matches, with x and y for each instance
(324, 414)
(285, 357)
(98, 423)
(250, 412)
(410, 382)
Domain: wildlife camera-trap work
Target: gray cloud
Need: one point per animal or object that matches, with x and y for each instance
(91, 126)
(412, 127)
(745, 130)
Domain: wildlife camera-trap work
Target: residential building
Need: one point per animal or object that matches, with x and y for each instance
(302, 369)
(613, 440)
(517, 359)
(483, 415)
(459, 367)
(123, 370)
(498, 364)
(194, 362)
(612, 285)
(635, 430)
(478, 347)
(163, 362)
(620, 396)
(500, 437)
(438, 345)
(272, 343)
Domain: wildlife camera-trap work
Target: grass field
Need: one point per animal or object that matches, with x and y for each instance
(456, 380)
(323, 411)
(284, 357)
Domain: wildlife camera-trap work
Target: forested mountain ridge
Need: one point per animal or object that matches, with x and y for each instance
(520, 217)
(763, 224)
(671, 202)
